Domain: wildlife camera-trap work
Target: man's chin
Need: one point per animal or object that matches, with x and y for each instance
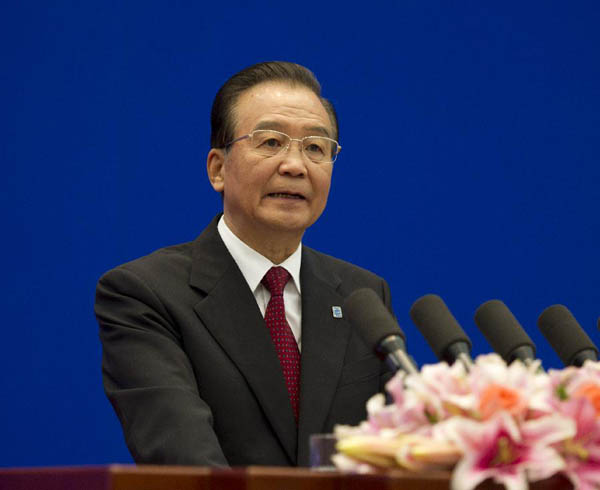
(287, 222)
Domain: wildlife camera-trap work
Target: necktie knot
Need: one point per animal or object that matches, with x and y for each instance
(275, 280)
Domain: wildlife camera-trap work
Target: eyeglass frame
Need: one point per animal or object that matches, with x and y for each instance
(284, 150)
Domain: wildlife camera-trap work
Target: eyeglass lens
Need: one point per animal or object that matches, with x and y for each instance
(316, 148)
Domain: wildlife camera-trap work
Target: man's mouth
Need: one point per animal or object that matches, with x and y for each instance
(285, 195)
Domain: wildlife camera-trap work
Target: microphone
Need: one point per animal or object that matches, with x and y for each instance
(444, 335)
(378, 328)
(566, 336)
(504, 333)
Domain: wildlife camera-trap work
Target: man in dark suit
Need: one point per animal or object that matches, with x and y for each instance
(203, 362)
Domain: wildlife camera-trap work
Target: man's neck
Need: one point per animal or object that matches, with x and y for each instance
(275, 245)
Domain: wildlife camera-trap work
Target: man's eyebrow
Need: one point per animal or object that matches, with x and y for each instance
(280, 127)
(269, 125)
(320, 129)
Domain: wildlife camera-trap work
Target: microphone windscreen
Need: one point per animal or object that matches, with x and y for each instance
(501, 329)
(367, 313)
(564, 333)
(437, 324)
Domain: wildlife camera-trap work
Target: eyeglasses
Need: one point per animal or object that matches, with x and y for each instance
(270, 143)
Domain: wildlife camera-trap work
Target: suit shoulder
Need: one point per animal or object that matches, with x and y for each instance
(342, 267)
(164, 262)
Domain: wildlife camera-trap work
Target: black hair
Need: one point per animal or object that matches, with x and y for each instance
(221, 117)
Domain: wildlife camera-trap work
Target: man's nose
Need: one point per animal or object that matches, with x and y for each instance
(294, 161)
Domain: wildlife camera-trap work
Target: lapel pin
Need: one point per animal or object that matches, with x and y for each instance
(336, 311)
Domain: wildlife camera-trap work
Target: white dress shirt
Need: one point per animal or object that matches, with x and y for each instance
(254, 266)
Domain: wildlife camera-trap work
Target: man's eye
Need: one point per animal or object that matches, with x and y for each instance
(271, 143)
(314, 148)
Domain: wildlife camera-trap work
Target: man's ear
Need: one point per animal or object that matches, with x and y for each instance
(215, 168)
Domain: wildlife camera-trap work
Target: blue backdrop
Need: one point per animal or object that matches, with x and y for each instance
(484, 185)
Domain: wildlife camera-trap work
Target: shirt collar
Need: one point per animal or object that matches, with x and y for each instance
(253, 265)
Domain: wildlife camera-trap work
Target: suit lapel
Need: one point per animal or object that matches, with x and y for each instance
(229, 311)
(324, 340)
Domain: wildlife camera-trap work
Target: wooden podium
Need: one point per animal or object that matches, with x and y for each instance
(129, 477)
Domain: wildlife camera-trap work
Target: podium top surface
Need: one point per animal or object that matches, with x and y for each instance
(130, 477)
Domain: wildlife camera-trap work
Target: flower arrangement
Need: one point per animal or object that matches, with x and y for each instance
(513, 423)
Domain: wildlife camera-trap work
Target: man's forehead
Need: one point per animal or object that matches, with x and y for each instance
(281, 105)
(310, 127)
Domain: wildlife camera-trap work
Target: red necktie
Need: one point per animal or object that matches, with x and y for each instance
(281, 333)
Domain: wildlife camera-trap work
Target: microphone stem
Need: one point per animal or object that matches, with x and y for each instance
(407, 364)
(466, 361)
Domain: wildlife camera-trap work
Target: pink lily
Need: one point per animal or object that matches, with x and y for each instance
(582, 452)
(516, 388)
(498, 449)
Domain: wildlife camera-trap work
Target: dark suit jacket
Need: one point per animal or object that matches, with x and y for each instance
(191, 370)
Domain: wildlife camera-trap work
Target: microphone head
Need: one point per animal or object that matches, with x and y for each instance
(503, 331)
(371, 318)
(565, 335)
(439, 327)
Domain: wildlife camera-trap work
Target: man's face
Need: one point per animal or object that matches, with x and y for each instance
(264, 196)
